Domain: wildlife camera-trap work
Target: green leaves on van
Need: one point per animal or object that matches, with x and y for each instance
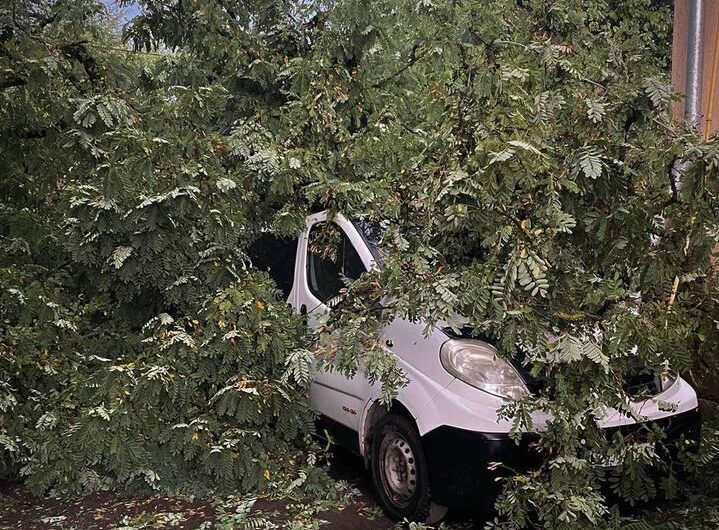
(521, 155)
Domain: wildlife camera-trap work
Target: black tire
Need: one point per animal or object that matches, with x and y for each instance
(403, 490)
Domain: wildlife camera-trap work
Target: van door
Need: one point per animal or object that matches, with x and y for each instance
(331, 251)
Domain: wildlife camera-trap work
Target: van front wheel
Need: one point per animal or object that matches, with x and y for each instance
(399, 471)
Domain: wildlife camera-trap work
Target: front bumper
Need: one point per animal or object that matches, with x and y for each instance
(459, 460)
(681, 431)
(459, 464)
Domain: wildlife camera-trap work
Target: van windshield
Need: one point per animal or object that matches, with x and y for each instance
(373, 233)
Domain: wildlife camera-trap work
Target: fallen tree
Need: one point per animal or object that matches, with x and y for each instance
(138, 348)
(519, 155)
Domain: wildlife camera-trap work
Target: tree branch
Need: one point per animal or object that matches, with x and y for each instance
(36, 134)
(12, 82)
(78, 51)
(671, 168)
(414, 57)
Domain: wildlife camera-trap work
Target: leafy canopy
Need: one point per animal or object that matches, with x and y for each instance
(520, 155)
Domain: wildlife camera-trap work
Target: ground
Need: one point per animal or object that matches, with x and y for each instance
(107, 511)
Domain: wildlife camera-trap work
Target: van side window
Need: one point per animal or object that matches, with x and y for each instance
(277, 256)
(330, 257)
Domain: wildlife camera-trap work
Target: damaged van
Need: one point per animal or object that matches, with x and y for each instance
(432, 448)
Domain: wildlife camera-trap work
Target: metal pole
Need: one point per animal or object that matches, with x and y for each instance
(695, 63)
(692, 102)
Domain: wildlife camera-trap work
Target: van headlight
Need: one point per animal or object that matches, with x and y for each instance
(477, 364)
(666, 380)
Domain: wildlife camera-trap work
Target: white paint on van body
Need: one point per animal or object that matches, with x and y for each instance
(433, 396)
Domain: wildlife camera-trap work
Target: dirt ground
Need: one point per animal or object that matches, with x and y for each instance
(107, 511)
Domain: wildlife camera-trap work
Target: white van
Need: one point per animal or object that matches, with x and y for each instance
(432, 448)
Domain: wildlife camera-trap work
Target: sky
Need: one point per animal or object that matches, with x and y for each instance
(127, 12)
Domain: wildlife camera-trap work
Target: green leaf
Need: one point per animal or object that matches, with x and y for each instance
(591, 163)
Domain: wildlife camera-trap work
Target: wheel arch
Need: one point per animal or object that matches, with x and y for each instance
(373, 413)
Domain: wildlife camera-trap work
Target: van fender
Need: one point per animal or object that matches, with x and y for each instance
(410, 400)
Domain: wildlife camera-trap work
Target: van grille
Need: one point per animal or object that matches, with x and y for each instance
(637, 385)
(642, 384)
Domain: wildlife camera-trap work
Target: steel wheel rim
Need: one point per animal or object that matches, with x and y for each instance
(398, 469)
